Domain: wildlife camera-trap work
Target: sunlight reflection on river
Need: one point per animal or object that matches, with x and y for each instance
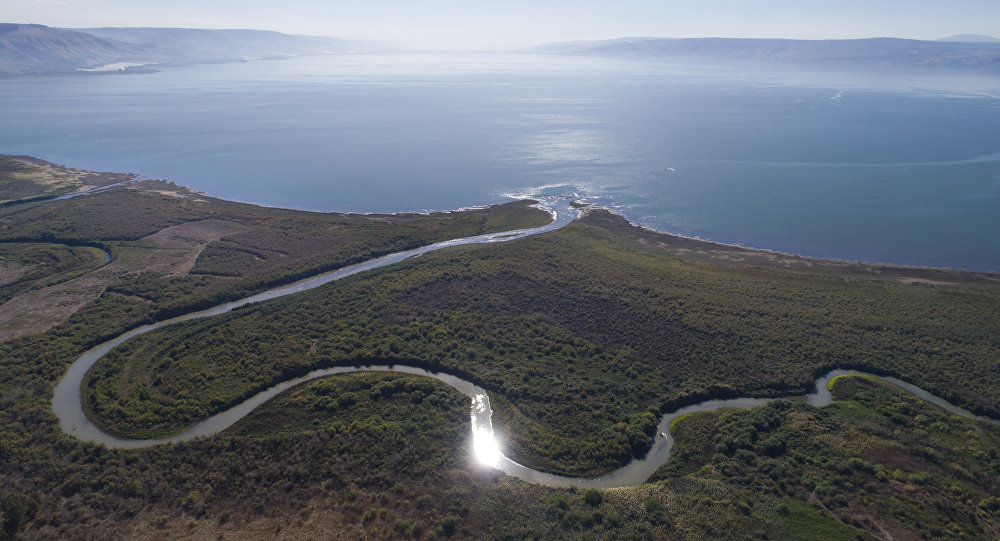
(484, 444)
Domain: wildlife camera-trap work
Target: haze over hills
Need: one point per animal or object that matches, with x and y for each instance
(880, 52)
(31, 49)
(198, 45)
(38, 50)
(577, 46)
(971, 38)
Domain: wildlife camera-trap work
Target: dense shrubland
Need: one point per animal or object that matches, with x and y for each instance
(377, 455)
(582, 337)
(41, 264)
(879, 459)
(276, 246)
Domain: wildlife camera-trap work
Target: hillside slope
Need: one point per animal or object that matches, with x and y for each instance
(878, 52)
(184, 45)
(32, 49)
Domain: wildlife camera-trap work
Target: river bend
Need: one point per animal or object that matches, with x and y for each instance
(68, 407)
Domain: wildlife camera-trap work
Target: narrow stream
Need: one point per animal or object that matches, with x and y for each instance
(67, 402)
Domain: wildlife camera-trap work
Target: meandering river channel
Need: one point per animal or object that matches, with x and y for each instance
(68, 407)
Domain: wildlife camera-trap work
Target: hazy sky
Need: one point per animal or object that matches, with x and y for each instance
(514, 23)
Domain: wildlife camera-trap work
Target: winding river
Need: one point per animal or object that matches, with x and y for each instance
(67, 401)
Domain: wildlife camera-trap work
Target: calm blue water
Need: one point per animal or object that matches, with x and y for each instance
(857, 166)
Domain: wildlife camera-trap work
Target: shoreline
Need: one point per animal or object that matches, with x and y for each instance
(778, 252)
(67, 402)
(734, 254)
(987, 277)
(74, 420)
(872, 265)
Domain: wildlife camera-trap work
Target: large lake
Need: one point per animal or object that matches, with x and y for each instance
(871, 166)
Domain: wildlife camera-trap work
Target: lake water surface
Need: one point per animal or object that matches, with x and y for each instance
(872, 166)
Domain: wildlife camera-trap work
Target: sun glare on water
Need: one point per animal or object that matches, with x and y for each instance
(484, 443)
(485, 448)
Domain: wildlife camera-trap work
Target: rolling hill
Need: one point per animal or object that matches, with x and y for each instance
(32, 49)
(189, 45)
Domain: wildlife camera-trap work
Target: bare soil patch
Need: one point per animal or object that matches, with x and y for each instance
(172, 250)
(10, 271)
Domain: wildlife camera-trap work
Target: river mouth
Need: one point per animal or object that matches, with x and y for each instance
(67, 401)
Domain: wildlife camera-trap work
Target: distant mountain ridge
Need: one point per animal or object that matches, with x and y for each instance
(880, 52)
(182, 45)
(39, 50)
(971, 38)
(32, 49)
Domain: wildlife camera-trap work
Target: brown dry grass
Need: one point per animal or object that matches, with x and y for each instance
(10, 271)
(47, 178)
(172, 251)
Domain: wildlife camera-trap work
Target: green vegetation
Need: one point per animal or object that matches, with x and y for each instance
(26, 179)
(582, 336)
(24, 266)
(388, 402)
(681, 506)
(57, 487)
(20, 180)
(879, 459)
(241, 249)
(306, 463)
